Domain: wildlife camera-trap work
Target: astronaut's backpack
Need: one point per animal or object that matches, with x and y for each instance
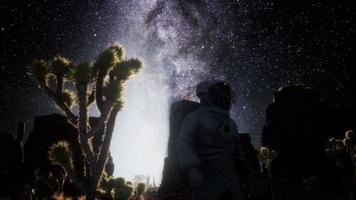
(174, 181)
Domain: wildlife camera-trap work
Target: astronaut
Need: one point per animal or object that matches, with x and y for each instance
(208, 145)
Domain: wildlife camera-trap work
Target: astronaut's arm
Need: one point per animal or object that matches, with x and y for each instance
(187, 156)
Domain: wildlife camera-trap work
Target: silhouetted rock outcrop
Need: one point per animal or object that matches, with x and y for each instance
(298, 125)
(173, 181)
(11, 167)
(251, 154)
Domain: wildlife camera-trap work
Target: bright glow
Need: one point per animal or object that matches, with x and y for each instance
(140, 137)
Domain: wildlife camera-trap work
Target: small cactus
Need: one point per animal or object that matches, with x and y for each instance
(350, 134)
(264, 152)
(115, 189)
(267, 155)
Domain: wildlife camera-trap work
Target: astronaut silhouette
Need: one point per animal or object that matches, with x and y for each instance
(208, 147)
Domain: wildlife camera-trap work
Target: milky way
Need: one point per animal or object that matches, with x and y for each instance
(185, 48)
(257, 46)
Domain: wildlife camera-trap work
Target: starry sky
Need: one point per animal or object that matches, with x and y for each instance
(257, 46)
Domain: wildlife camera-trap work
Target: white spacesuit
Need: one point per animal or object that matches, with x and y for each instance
(208, 147)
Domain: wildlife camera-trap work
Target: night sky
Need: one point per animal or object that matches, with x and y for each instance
(258, 46)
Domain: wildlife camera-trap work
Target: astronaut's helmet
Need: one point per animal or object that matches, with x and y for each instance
(216, 93)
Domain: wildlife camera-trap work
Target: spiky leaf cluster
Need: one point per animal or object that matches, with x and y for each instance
(113, 90)
(121, 72)
(60, 66)
(119, 50)
(69, 98)
(350, 134)
(125, 69)
(38, 70)
(266, 154)
(106, 60)
(60, 154)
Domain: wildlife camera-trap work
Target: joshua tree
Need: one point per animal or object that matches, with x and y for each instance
(81, 85)
(267, 157)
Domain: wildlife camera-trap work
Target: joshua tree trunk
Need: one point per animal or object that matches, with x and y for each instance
(83, 124)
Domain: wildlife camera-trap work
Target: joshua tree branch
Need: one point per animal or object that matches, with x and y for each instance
(91, 97)
(60, 83)
(104, 151)
(99, 91)
(83, 124)
(101, 123)
(72, 119)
